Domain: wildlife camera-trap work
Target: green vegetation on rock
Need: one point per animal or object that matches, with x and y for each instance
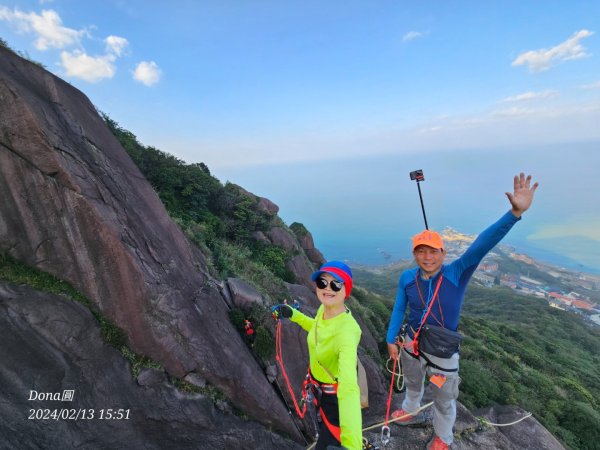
(15, 272)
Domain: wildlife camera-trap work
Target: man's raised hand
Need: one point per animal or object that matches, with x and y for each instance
(522, 197)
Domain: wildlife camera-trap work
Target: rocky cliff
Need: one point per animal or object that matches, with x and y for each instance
(51, 345)
(74, 205)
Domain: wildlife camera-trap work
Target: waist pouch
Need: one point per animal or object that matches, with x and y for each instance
(438, 341)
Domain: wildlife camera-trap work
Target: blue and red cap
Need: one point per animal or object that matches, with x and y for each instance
(337, 270)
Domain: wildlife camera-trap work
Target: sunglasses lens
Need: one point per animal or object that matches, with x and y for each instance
(335, 285)
(321, 283)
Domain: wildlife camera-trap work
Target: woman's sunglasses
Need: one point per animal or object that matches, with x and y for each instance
(335, 285)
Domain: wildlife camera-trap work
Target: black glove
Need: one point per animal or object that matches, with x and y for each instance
(286, 311)
(281, 310)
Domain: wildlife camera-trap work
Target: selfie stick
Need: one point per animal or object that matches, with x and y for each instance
(418, 176)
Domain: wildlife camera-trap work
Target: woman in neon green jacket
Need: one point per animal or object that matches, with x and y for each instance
(333, 337)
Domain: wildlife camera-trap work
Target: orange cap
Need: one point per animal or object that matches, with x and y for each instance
(428, 238)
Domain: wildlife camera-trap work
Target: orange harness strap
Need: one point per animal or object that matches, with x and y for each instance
(335, 431)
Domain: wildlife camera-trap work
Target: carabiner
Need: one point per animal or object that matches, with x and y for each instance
(385, 435)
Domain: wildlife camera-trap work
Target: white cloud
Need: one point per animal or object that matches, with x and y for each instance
(595, 85)
(514, 111)
(116, 45)
(412, 35)
(543, 59)
(50, 33)
(431, 129)
(89, 68)
(47, 26)
(147, 72)
(528, 96)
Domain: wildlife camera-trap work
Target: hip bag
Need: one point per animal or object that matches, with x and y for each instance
(439, 341)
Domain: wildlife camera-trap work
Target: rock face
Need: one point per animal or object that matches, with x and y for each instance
(302, 270)
(528, 434)
(469, 432)
(243, 295)
(308, 245)
(76, 206)
(51, 344)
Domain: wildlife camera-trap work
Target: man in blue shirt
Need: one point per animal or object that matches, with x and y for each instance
(435, 292)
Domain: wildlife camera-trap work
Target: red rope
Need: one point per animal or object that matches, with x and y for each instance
(389, 400)
(416, 336)
(279, 358)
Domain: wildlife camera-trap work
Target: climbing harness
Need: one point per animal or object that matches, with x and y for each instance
(414, 346)
(312, 390)
(415, 343)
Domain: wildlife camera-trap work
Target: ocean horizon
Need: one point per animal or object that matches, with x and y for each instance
(386, 253)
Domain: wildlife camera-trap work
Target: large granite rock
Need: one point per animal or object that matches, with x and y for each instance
(283, 238)
(76, 206)
(302, 270)
(308, 245)
(51, 344)
(263, 204)
(244, 295)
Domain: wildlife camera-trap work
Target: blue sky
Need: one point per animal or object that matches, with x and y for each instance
(325, 107)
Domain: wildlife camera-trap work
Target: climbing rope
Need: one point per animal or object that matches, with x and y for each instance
(399, 374)
(377, 425)
(301, 411)
(505, 424)
(385, 429)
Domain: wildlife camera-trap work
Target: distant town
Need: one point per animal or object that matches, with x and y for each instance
(503, 266)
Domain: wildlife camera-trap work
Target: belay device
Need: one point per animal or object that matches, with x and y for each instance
(418, 176)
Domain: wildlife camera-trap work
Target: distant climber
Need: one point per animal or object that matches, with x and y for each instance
(435, 292)
(250, 334)
(296, 304)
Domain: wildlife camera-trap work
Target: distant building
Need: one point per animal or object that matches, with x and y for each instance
(509, 283)
(582, 304)
(485, 279)
(556, 305)
(530, 281)
(556, 297)
(489, 267)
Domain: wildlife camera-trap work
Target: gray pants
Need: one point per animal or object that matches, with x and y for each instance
(444, 398)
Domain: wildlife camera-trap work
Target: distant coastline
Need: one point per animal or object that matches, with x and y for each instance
(386, 254)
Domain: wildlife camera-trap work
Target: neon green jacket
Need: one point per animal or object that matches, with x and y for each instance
(333, 344)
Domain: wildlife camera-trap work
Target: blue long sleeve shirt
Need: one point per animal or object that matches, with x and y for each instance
(456, 276)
